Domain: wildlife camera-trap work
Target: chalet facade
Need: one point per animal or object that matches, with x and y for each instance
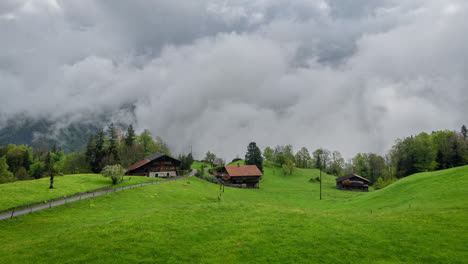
(242, 176)
(155, 165)
(353, 182)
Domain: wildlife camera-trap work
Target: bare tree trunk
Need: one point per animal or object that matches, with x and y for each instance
(51, 182)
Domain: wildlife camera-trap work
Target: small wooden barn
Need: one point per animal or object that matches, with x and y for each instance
(352, 182)
(155, 165)
(243, 176)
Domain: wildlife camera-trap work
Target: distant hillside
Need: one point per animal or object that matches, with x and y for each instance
(70, 136)
(47, 133)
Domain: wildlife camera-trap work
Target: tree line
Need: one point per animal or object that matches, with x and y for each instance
(106, 147)
(420, 153)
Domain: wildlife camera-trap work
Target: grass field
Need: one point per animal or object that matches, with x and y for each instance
(24, 192)
(419, 219)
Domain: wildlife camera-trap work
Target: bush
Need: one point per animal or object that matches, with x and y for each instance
(21, 174)
(115, 172)
(382, 182)
(288, 167)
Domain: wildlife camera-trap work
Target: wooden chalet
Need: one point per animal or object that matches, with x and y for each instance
(155, 165)
(352, 182)
(242, 176)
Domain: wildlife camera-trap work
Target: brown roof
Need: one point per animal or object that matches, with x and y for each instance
(243, 170)
(349, 176)
(138, 164)
(150, 158)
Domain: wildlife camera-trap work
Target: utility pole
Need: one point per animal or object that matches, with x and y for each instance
(319, 164)
(320, 182)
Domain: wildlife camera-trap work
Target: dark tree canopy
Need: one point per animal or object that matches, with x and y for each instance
(112, 148)
(464, 132)
(254, 156)
(130, 136)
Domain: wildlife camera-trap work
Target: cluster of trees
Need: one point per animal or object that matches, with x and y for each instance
(185, 161)
(423, 152)
(110, 147)
(20, 162)
(330, 162)
(420, 153)
(428, 152)
(213, 160)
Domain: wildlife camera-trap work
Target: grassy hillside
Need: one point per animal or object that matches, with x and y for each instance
(24, 192)
(420, 219)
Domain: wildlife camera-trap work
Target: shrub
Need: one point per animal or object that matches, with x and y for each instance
(115, 172)
(384, 182)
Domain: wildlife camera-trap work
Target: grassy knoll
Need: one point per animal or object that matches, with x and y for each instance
(24, 192)
(420, 219)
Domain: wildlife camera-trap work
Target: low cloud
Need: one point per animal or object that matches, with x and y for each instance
(215, 77)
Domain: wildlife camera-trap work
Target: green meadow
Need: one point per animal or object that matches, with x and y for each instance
(418, 219)
(25, 192)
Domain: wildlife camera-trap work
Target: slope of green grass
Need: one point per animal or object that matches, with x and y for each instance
(25, 192)
(415, 220)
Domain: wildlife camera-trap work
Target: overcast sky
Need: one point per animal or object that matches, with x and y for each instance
(345, 75)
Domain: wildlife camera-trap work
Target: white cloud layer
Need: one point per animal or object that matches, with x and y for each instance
(219, 74)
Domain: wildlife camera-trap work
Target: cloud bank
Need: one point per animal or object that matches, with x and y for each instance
(216, 75)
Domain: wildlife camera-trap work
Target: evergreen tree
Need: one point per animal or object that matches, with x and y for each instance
(186, 162)
(130, 136)
(99, 152)
(464, 132)
(112, 150)
(254, 156)
(27, 159)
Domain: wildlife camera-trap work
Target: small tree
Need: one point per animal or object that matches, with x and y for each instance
(288, 167)
(210, 158)
(37, 169)
(268, 154)
(115, 172)
(22, 174)
(5, 174)
(202, 170)
(49, 169)
(186, 162)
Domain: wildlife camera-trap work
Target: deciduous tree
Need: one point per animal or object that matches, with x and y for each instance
(115, 172)
(5, 174)
(268, 154)
(210, 158)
